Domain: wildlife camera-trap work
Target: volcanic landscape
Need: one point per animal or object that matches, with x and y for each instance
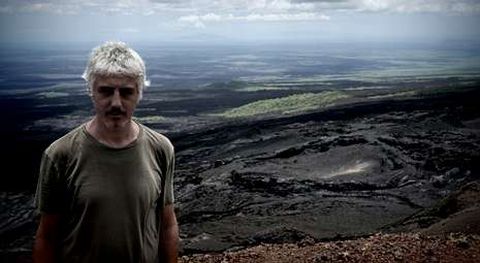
(271, 161)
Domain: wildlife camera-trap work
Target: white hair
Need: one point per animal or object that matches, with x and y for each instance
(115, 59)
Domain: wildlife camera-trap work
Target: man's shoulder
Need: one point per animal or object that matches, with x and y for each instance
(157, 139)
(65, 144)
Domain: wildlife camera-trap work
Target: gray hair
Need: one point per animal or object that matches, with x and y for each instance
(115, 59)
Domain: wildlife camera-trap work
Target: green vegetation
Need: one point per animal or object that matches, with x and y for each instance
(397, 94)
(260, 88)
(150, 119)
(286, 105)
(52, 94)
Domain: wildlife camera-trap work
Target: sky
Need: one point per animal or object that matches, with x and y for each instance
(234, 21)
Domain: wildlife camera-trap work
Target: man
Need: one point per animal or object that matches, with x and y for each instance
(105, 190)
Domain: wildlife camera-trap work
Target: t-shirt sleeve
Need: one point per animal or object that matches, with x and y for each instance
(168, 196)
(49, 197)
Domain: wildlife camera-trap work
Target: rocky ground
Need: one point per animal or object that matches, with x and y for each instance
(337, 173)
(377, 248)
(447, 232)
(345, 172)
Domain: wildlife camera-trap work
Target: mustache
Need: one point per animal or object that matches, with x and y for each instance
(115, 111)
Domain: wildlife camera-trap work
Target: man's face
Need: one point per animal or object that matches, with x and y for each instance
(114, 99)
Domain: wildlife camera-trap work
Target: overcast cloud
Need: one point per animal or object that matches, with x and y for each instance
(241, 6)
(226, 19)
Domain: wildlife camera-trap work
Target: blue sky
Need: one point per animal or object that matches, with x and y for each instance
(226, 21)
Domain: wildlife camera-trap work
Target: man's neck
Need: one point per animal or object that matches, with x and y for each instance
(115, 137)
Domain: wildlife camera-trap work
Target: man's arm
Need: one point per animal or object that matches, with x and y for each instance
(168, 242)
(47, 239)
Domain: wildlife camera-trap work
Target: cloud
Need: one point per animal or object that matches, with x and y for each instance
(320, 1)
(397, 6)
(211, 17)
(67, 7)
(285, 17)
(238, 7)
(420, 6)
(199, 21)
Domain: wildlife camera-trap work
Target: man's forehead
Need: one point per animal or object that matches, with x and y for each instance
(119, 80)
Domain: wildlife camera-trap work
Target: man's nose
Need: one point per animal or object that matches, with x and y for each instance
(116, 99)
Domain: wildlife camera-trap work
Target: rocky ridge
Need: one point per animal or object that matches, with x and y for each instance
(342, 172)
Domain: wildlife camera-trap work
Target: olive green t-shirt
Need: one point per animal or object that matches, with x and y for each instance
(109, 198)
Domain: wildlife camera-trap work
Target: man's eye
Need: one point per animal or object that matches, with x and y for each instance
(126, 92)
(105, 90)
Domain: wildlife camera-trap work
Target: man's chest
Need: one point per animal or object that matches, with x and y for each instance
(105, 181)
